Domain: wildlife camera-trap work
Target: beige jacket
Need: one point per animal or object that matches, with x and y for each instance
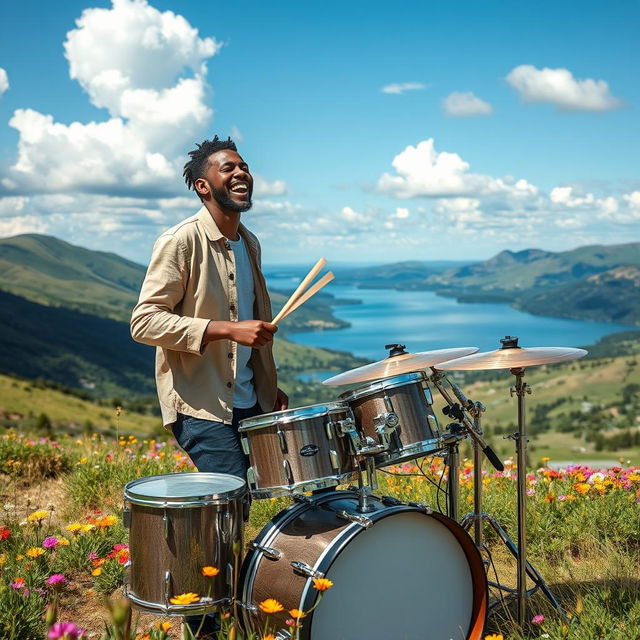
(190, 281)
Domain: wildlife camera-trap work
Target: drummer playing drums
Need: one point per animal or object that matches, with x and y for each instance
(205, 306)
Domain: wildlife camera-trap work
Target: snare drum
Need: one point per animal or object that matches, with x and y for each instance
(179, 523)
(398, 571)
(298, 450)
(397, 412)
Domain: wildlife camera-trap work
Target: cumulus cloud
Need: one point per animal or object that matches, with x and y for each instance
(147, 69)
(403, 87)
(559, 87)
(465, 105)
(423, 171)
(4, 81)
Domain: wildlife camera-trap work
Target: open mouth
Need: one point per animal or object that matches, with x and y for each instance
(239, 188)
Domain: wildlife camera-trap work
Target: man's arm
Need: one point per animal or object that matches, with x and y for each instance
(155, 323)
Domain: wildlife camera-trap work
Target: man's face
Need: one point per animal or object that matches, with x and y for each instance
(229, 179)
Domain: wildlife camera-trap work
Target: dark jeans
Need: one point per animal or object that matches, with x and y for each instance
(214, 447)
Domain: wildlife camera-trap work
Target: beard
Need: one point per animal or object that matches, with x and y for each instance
(227, 202)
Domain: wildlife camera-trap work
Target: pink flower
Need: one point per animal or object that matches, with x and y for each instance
(65, 630)
(50, 543)
(92, 555)
(562, 498)
(56, 578)
(539, 619)
(531, 492)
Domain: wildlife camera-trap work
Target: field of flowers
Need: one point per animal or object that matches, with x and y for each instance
(63, 547)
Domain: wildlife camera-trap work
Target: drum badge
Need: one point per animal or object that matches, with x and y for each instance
(309, 450)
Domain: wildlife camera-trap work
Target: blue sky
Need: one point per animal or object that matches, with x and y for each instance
(379, 132)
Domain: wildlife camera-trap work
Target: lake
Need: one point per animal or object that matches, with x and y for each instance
(421, 320)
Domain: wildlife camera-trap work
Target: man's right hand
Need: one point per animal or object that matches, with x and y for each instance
(250, 333)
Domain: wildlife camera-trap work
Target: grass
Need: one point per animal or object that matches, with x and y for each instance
(583, 533)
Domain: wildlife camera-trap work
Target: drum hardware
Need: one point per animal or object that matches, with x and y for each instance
(268, 552)
(304, 569)
(516, 359)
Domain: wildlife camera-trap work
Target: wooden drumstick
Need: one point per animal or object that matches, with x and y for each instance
(301, 287)
(325, 280)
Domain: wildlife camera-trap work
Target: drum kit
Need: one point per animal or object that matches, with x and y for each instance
(399, 569)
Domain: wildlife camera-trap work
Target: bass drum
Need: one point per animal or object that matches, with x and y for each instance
(398, 571)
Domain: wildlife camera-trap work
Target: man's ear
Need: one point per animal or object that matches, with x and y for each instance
(202, 187)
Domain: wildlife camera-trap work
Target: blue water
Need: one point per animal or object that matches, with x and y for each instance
(421, 320)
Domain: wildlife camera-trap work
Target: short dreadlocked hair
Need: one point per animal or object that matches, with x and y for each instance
(197, 166)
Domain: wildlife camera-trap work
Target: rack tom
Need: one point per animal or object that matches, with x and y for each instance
(179, 523)
(397, 413)
(298, 450)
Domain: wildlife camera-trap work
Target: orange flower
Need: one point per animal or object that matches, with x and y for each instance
(185, 598)
(297, 613)
(322, 584)
(494, 636)
(210, 572)
(549, 497)
(270, 605)
(163, 626)
(269, 636)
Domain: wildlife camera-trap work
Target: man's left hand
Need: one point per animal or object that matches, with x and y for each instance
(282, 401)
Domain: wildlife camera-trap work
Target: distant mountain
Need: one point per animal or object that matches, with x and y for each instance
(596, 282)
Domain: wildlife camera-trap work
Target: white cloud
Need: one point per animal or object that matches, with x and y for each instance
(262, 188)
(236, 134)
(464, 105)
(22, 224)
(4, 81)
(423, 171)
(147, 68)
(403, 87)
(559, 87)
(402, 213)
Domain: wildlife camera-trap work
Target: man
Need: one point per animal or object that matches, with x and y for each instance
(204, 305)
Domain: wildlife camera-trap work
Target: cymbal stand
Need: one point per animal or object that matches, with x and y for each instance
(477, 517)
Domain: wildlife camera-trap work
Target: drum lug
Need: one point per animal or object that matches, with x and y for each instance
(329, 427)
(248, 606)
(167, 588)
(335, 461)
(166, 522)
(427, 393)
(251, 478)
(245, 445)
(347, 427)
(363, 521)
(283, 441)
(268, 552)
(300, 497)
(305, 569)
(386, 422)
(390, 501)
(422, 506)
(126, 517)
(433, 423)
(230, 581)
(288, 474)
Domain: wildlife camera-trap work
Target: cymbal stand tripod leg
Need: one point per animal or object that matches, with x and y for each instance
(453, 480)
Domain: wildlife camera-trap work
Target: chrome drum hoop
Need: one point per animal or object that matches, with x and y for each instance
(304, 486)
(410, 452)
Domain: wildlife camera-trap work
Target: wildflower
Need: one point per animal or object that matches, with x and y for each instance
(97, 572)
(92, 555)
(3, 558)
(37, 516)
(582, 487)
(549, 497)
(531, 492)
(297, 613)
(18, 583)
(539, 619)
(5, 533)
(269, 636)
(51, 542)
(74, 527)
(494, 636)
(163, 626)
(270, 605)
(66, 630)
(185, 598)
(63, 542)
(56, 579)
(34, 552)
(322, 584)
(290, 622)
(210, 572)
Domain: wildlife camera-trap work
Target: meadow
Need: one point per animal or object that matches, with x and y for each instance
(63, 546)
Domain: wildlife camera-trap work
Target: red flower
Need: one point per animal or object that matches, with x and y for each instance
(5, 533)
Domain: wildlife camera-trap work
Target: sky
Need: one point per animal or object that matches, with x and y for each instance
(375, 132)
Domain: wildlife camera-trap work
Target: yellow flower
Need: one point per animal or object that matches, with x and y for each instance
(76, 526)
(494, 636)
(164, 626)
(3, 558)
(37, 516)
(63, 542)
(581, 487)
(34, 552)
(185, 598)
(297, 613)
(271, 606)
(96, 572)
(322, 584)
(85, 528)
(210, 572)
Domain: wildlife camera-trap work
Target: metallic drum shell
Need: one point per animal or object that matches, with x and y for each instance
(172, 538)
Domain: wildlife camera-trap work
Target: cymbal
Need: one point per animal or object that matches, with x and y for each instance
(397, 364)
(511, 356)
